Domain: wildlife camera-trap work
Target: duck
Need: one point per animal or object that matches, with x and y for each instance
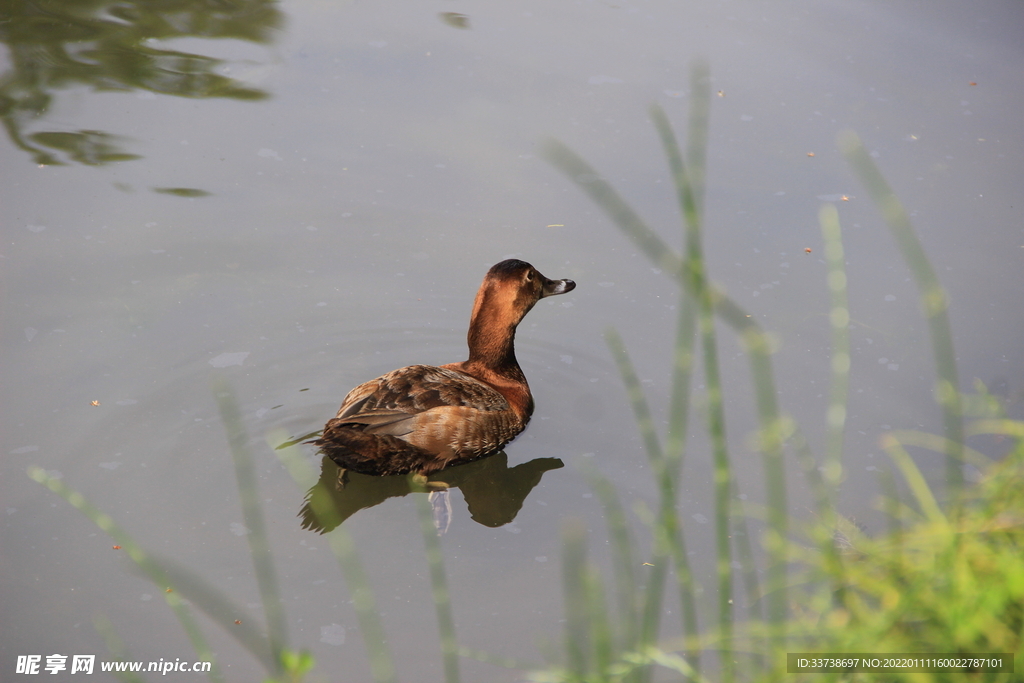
(422, 419)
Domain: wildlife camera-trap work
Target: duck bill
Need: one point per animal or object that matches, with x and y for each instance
(553, 287)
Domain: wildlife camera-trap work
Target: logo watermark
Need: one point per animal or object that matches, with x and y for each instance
(86, 664)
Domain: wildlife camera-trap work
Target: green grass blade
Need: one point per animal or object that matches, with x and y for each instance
(641, 411)
(117, 649)
(697, 135)
(1000, 427)
(577, 631)
(216, 605)
(605, 196)
(600, 627)
(149, 566)
(630, 598)
(682, 376)
(757, 343)
(689, 183)
(668, 535)
(252, 513)
(589, 646)
(674, 662)
(891, 507)
(686, 325)
(382, 667)
(623, 556)
(915, 480)
(689, 180)
(934, 442)
(439, 589)
(497, 660)
(650, 615)
(825, 483)
(723, 484)
(745, 551)
(934, 302)
(826, 529)
(839, 318)
(686, 586)
(681, 178)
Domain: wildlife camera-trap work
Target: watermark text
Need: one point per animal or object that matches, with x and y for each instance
(86, 664)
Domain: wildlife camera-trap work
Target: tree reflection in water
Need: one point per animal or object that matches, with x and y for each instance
(110, 45)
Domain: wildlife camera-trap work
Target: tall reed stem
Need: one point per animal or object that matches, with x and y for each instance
(382, 668)
(439, 589)
(839, 319)
(689, 272)
(934, 304)
(252, 513)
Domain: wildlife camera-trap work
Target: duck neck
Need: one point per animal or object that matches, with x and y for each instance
(492, 335)
(492, 346)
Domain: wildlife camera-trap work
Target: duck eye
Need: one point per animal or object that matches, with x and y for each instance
(529, 275)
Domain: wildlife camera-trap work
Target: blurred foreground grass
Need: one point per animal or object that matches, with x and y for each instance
(945, 579)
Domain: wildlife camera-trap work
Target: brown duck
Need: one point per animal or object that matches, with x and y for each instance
(424, 418)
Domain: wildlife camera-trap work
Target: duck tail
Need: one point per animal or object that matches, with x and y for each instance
(376, 454)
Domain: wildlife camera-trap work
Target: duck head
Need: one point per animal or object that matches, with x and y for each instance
(509, 290)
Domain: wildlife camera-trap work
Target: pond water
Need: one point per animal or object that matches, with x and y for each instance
(319, 206)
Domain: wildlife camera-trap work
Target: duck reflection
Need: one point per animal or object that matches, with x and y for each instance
(494, 493)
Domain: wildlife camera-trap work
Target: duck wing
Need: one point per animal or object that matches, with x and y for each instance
(419, 419)
(394, 403)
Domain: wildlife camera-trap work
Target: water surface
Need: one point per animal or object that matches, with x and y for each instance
(319, 206)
